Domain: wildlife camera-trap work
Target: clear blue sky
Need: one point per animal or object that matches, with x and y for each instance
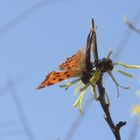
(34, 42)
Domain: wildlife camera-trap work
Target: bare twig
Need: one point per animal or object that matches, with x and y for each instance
(131, 25)
(115, 128)
(20, 111)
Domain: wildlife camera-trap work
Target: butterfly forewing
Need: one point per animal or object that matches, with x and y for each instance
(55, 77)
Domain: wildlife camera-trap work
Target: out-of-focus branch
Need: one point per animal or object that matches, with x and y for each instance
(77, 121)
(131, 25)
(10, 123)
(6, 88)
(125, 38)
(20, 111)
(11, 24)
(134, 130)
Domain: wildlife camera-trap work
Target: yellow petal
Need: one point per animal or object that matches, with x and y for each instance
(136, 109)
(125, 73)
(126, 65)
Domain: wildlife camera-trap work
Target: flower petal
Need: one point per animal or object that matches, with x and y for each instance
(116, 83)
(109, 54)
(124, 73)
(77, 88)
(126, 65)
(69, 83)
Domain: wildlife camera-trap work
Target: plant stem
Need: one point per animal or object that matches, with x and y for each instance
(105, 106)
(115, 128)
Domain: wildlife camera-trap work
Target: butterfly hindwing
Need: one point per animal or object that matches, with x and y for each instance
(55, 77)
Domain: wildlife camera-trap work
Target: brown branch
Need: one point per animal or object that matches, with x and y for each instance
(115, 128)
(105, 106)
(122, 45)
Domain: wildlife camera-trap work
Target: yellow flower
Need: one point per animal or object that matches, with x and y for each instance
(136, 110)
(104, 65)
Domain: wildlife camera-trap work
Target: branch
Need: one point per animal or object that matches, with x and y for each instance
(120, 48)
(115, 128)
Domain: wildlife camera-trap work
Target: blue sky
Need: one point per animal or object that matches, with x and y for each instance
(35, 37)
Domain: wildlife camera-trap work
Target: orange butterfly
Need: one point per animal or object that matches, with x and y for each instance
(78, 65)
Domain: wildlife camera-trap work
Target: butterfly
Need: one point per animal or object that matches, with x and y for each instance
(78, 65)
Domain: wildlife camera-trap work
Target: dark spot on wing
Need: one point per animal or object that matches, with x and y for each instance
(57, 75)
(60, 79)
(54, 79)
(68, 67)
(68, 75)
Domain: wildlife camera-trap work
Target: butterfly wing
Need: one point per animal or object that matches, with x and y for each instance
(87, 72)
(55, 77)
(87, 55)
(75, 62)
